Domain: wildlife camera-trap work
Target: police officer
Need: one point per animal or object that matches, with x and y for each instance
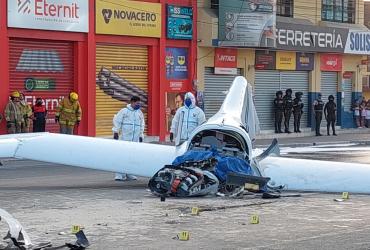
(330, 116)
(318, 106)
(279, 110)
(297, 111)
(288, 107)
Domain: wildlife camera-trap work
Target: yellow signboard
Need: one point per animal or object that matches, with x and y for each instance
(285, 60)
(130, 18)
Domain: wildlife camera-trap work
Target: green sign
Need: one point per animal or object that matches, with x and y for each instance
(32, 84)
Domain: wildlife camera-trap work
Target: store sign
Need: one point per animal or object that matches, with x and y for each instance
(226, 61)
(31, 84)
(247, 23)
(179, 22)
(347, 75)
(131, 18)
(304, 61)
(64, 15)
(296, 37)
(331, 62)
(285, 60)
(265, 60)
(358, 43)
(176, 63)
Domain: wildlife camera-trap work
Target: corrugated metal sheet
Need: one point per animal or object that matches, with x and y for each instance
(50, 64)
(347, 89)
(215, 88)
(329, 83)
(121, 71)
(267, 82)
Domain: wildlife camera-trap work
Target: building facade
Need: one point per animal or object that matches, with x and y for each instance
(107, 51)
(313, 47)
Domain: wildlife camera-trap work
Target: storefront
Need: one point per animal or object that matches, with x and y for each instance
(44, 63)
(96, 48)
(136, 58)
(280, 71)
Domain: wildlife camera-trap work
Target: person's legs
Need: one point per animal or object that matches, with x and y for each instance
(333, 126)
(70, 130)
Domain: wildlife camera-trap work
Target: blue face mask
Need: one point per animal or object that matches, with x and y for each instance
(188, 102)
(137, 106)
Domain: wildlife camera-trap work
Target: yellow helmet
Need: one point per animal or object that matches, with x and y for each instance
(73, 96)
(15, 94)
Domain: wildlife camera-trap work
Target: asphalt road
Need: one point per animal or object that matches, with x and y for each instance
(48, 199)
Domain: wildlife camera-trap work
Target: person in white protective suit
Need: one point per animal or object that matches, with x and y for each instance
(130, 123)
(186, 119)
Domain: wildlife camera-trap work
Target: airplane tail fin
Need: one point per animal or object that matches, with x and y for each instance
(239, 105)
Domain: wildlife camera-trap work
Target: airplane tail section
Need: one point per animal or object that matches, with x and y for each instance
(239, 106)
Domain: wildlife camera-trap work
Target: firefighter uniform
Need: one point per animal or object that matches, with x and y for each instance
(26, 113)
(68, 113)
(13, 114)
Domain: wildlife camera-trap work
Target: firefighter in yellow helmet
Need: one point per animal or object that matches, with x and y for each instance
(26, 113)
(68, 113)
(13, 114)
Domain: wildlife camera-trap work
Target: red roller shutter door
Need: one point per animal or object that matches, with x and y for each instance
(42, 69)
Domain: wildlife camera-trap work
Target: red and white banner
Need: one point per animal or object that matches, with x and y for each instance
(331, 62)
(226, 61)
(63, 15)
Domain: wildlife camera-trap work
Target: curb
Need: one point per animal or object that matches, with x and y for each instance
(308, 144)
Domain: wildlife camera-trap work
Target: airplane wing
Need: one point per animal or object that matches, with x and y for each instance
(142, 159)
(314, 175)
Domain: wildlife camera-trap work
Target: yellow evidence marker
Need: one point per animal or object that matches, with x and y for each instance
(195, 211)
(345, 195)
(255, 219)
(184, 235)
(76, 229)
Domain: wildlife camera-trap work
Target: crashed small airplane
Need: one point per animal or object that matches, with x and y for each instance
(226, 135)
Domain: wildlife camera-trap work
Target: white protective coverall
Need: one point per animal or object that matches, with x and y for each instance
(187, 119)
(131, 124)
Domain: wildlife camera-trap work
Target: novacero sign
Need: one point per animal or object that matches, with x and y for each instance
(131, 18)
(64, 15)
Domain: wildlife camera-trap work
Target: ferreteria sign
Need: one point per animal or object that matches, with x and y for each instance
(310, 38)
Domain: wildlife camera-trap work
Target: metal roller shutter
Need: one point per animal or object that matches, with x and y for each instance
(121, 71)
(215, 87)
(267, 82)
(298, 82)
(329, 83)
(48, 69)
(347, 89)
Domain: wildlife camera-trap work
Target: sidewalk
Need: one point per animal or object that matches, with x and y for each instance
(344, 136)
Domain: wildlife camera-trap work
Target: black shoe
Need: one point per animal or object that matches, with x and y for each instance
(335, 134)
(299, 131)
(280, 132)
(328, 134)
(295, 131)
(318, 134)
(287, 131)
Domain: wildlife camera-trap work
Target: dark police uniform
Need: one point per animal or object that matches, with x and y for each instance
(288, 108)
(318, 108)
(278, 110)
(329, 111)
(297, 111)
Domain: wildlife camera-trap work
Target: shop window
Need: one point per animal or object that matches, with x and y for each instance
(284, 8)
(214, 4)
(342, 11)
